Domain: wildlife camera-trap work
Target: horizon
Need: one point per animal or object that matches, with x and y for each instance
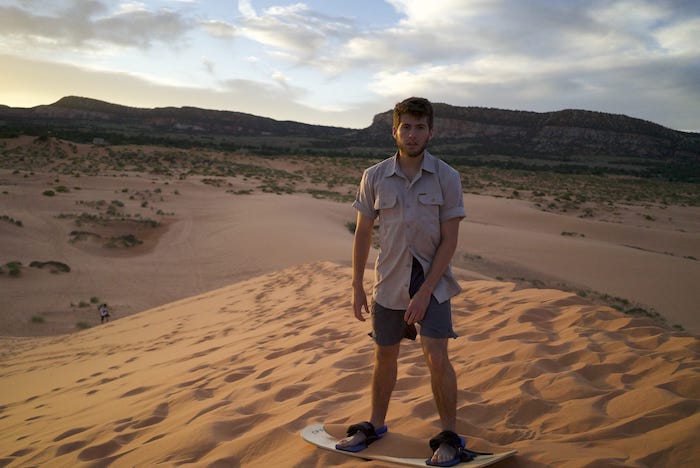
(338, 64)
(349, 128)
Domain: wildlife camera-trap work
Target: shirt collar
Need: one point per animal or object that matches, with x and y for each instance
(429, 164)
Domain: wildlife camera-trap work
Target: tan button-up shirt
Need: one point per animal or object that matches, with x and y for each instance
(410, 213)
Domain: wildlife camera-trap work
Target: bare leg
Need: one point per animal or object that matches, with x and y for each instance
(383, 381)
(444, 385)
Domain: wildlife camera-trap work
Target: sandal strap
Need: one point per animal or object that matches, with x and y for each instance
(455, 441)
(366, 428)
(446, 437)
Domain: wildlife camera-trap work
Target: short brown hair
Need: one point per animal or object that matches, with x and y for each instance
(419, 107)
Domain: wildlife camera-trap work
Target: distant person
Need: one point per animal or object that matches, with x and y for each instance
(104, 313)
(418, 201)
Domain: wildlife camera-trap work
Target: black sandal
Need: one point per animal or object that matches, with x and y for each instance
(371, 435)
(462, 454)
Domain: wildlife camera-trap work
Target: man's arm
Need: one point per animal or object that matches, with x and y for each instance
(449, 235)
(360, 253)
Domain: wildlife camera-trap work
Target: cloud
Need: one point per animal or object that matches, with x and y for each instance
(637, 57)
(220, 29)
(246, 9)
(295, 30)
(209, 65)
(267, 100)
(85, 24)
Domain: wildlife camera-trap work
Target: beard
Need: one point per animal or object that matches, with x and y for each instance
(412, 151)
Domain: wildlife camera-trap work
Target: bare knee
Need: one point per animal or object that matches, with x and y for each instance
(436, 355)
(386, 354)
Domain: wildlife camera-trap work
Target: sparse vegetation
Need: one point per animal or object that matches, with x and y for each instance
(572, 234)
(11, 220)
(128, 240)
(14, 269)
(55, 267)
(320, 174)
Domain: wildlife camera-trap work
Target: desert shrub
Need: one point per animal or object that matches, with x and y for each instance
(14, 269)
(76, 236)
(94, 300)
(128, 240)
(10, 220)
(240, 192)
(572, 234)
(49, 193)
(62, 189)
(37, 319)
(56, 267)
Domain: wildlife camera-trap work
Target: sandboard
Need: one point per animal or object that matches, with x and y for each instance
(392, 447)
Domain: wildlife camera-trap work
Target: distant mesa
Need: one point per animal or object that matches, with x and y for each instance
(469, 134)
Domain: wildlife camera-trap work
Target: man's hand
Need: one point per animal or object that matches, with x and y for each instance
(417, 307)
(359, 303)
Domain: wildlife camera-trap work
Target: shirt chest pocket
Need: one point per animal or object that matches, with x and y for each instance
(429, 205)
(387, 207)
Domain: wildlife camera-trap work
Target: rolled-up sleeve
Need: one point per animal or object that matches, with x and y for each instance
(453, 206)
(364, 200)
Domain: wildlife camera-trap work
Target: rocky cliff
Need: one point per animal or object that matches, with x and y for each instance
(471, 135)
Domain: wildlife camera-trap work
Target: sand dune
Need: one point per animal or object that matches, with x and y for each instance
(210, 238)
(230, 377)
(654, 264)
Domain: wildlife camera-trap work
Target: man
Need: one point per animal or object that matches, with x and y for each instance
(104, 313)
(418, 201)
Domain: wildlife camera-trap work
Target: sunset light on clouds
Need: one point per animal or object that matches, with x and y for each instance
(335, 62)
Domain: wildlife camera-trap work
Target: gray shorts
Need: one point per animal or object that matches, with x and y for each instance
(389, 327)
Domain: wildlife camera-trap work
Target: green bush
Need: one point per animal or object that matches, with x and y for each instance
(49, 193)
(37, 319)
(56, 267)
(14, 269)
(11, 220)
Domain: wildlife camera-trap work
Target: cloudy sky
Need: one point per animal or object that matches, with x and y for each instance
(339, 62)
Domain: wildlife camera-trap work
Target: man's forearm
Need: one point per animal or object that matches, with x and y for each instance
(443, 255)
(360, 249)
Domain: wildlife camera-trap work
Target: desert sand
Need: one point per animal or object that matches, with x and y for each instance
(231, 330)
(230, 377)
(209, 237)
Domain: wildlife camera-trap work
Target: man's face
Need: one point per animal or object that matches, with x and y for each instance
(412, 135)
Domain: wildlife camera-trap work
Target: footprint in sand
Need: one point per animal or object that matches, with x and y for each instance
(135, 391)
(290, 391)
(70, 447)
(71, 432)
(158, 416)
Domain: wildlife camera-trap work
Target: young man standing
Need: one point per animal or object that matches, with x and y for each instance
(417, 199)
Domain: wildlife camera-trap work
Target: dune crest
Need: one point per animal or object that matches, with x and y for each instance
(230, 377)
